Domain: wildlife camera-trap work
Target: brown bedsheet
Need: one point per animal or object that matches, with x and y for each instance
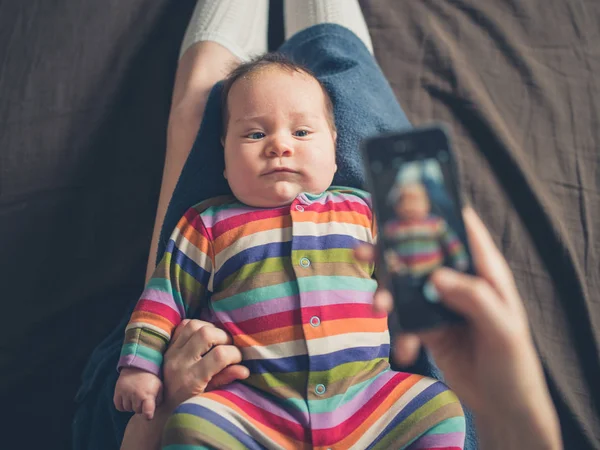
(84, 97)
(519, 82)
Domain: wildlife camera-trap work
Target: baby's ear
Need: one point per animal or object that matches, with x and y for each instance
(225, 169)
(335, 148)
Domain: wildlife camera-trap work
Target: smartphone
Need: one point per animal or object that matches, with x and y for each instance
(413, 181)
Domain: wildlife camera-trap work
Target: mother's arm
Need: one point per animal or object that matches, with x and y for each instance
(489, 361)
(199, 358)
(200, 67)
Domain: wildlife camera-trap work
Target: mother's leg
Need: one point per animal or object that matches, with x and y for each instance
(363, 99)
(364, 105)
(221, 33)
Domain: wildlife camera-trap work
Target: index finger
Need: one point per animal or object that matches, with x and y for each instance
(204, 340)
(179, 330)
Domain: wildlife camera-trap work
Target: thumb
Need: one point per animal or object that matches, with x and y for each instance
(228, 375)
(148, 407)
(406, 348)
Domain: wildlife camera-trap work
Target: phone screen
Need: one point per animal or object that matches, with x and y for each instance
(413, 181)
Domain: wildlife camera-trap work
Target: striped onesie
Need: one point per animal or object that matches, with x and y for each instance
(421, 245)
(284, 283)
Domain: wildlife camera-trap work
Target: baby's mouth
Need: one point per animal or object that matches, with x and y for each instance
(280, 170)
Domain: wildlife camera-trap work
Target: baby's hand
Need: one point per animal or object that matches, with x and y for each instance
(138, 391)
(394, 262)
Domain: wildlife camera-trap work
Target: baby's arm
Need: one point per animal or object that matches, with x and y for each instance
(176, 289)
(454, 247)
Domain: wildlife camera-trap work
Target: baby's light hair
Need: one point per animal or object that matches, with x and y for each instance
(274, 60)
(398, 192)
(412, 187)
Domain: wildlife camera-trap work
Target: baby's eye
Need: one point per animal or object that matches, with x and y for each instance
(301, 133)
(256, 135)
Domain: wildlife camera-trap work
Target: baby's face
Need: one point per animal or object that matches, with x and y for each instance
(279, 142)
(413, 204)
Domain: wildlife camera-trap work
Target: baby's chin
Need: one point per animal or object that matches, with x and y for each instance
(280, 194)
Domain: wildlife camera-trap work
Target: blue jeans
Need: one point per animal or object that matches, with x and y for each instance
(364, 105)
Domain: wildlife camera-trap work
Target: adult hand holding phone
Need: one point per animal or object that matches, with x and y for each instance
(490, 360)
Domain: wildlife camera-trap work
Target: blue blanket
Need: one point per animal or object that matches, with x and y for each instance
(364, 105)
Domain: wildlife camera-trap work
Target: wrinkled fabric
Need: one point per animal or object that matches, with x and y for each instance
(85, 89)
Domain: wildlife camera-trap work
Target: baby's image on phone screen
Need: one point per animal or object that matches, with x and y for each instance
(421, 227)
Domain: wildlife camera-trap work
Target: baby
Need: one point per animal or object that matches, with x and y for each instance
(273, 265)
(421, 241)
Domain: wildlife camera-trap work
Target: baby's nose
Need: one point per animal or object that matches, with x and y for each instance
(281, 147)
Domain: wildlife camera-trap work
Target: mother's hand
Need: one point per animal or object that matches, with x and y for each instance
(489, 361)
(200, 357)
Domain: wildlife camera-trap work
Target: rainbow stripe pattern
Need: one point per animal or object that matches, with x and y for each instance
(284, 283)
(421, 245)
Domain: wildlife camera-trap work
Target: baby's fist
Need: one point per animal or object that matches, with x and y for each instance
(138, 391)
